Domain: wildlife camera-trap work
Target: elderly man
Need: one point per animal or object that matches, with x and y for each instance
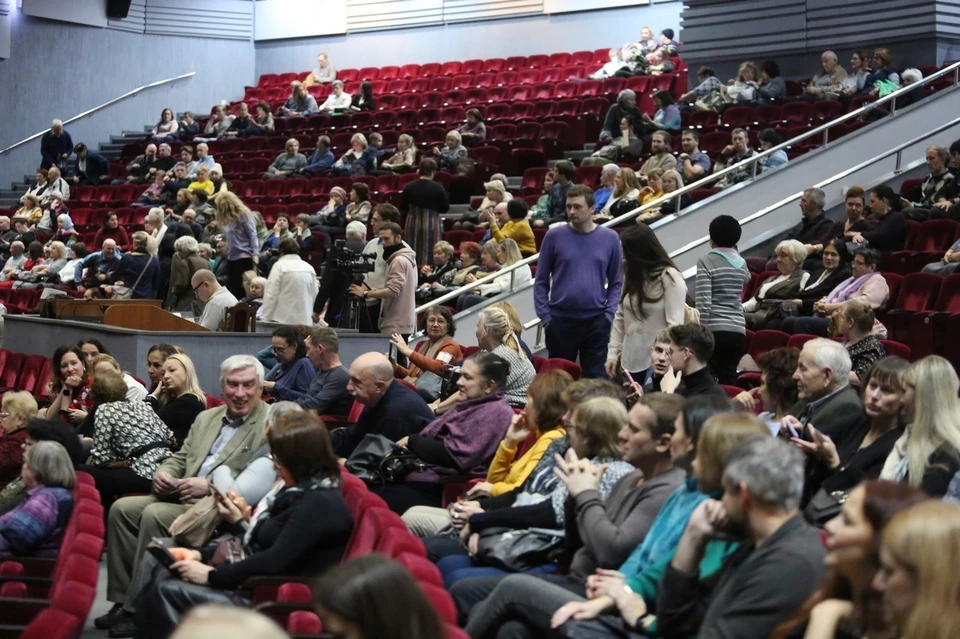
(57, 183)
(203, 157)
(762, 482)
(662, 159)
(398, 295)
(323, 73)
(291, 288)
(931, 198)
(392, 409)
(827, 403)
(55, 146)
(321, 159)
(694, 162)
(15, 262)
(226, 436)
(216, 298)
(188, 219)
(738, 150)
(815, 229)
(7, 235)
(165, 159)
(89, 167)
(607, 178)
(828, 79)
(142, 167)
(100, 265)
(328, 391)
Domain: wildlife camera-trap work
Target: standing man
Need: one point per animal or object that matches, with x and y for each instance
(376, 278)
(55, 146)
(578, 285)
(291, 288)
(398, 296)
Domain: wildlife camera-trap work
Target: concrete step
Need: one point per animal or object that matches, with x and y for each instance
(514, 181)
(571, 155)
(590, 147)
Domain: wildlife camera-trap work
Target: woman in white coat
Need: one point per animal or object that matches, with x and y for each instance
(654, 297)
(291, 288)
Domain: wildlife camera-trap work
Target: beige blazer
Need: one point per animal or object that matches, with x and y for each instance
(249, 437)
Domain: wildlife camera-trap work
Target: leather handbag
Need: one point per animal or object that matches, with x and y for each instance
(195, 527)
(378, 460)
(429, 386)
(517, 550)
(827, 502)
(126, 292)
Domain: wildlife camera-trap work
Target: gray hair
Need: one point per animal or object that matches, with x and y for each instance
(911, 75)
(57, 122)
(770, 468)
(186, 243)
(626, 94)
(155, 216)
(356, 229)
(827, 353)
(942, 152)
(240, 362)
(794, 249)
(611, 169)
(281, 408)
(55, 195)
(337, 82)
(816, 196)
(51, 463)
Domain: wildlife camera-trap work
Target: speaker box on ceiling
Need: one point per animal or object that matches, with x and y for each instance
(118, 8)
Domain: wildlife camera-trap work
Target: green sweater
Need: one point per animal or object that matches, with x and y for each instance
(646, 583)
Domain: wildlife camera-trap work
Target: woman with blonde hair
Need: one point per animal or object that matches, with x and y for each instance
(289, 163)
(239, 231)
(16, 410)
(30, 209)
(766, 303)
(508, 253)
(178, 398)
(745, 87)
(516, 323)
(452, 151)
(854, 322)
(917, 578)
(403, 159)
(928, 454)
(626, 191)
(671, 182)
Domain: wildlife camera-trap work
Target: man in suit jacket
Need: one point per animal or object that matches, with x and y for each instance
(89, 167)
(392, 409)
(827, 401)
(224, 436)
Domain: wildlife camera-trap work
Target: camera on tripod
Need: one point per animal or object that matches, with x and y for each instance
(351, 263)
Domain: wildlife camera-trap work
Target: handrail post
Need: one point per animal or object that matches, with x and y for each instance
(753, 169)
(893, 106)
(826, 136)
(896, 168)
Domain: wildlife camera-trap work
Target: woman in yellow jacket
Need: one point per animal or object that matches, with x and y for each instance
(542, 416)
(512, 224)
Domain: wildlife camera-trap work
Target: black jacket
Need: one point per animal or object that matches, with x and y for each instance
(400, 412)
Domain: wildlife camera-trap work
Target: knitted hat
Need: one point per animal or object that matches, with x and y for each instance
(725, 231)
(338, 191)
(217, 168)
(668, 33)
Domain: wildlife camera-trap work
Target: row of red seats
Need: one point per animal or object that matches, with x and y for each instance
(432, 69)
(21, 372)
(20, 300)
(926, 242)
(51, 598)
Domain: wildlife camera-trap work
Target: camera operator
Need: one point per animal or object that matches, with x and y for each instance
(398, 294)
(375, 280)
(334, 283)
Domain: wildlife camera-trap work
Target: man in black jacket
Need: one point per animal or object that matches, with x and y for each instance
(763, 480)
(392, 409)
(89, 167)
(814, 230)
(688, 375)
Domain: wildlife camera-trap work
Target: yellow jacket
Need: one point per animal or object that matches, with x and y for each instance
(520, 232)
(507, 473)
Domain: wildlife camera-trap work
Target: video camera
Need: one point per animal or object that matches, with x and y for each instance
(348, 261)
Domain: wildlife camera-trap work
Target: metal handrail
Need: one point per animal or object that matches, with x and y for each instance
(897, 150)
(129, 94)
(713, 177)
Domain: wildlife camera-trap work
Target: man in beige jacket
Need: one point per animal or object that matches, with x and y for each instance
(398, 295)
(224, 436)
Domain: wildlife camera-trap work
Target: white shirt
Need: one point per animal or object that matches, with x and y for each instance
(333, 102)
(215, 309)
(135, 390)
(501, 283)
(290, 292)
(67, 272)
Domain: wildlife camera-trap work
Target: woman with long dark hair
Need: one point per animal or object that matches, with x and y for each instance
(69, 385)
(363, 101)
(888, 229)
(653, 298)
(293, 374)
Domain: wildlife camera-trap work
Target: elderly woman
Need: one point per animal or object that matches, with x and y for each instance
(473, 132)
(854, 323)
(828, 80)
(219, 184)
(48, 271)
(337, 102)
(299, 103)
(30, 209)
(262, 122)
(283, 537)
(354, 161)
(404, 158)
(440, 275)
(865, 284)
(471, 255)
(17, 409)
(187, 261)
(42, 185)
(448, 156)
(430, 355)
(836, 269)
(766, 302)
(508, 253)
(124, 459)
(463, 441)
(35, 528)
(177, 399)
(744, 88)
(287, 163)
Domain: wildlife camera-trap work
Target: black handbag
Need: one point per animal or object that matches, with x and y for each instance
(827, 502)
(517, 550)
(378, 460)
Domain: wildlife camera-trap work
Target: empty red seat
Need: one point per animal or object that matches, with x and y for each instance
(494, 65)
(449, 68)
(798, 112)
(582, 57)
(472, 66)
(559, 59)
(516, 63)
(429, 70)
(389, 73)
(556, 363)
(588, 175)
(440, 83)
(409, 71)
(537, 61)
(506, 78)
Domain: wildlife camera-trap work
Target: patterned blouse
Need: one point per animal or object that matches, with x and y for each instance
(520, 376)
(865, 353)
(121, 428)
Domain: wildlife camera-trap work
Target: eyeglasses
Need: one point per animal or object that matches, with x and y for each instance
(197, 287)
(279, 349)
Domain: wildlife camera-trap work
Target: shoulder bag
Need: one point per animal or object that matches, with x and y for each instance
(126, 292)
(518, 550)
(378, 460)
(195, 527)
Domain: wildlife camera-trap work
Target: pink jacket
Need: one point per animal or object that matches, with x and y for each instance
(397, 308)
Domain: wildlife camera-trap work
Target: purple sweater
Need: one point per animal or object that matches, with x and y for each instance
(471, 432)
(35, 528)
(241, 238)
(578, 274)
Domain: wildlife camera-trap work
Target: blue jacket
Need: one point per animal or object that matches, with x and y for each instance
(319, 161)
(291, 382)
(97, 165)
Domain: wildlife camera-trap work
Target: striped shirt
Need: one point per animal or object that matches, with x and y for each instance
(719, 284)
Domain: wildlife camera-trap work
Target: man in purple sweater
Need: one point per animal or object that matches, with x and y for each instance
(578, 285)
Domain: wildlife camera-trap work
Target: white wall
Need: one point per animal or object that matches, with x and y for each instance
(490, 39)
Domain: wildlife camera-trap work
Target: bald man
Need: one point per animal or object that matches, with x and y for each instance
(391, 409)
(216, 298)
